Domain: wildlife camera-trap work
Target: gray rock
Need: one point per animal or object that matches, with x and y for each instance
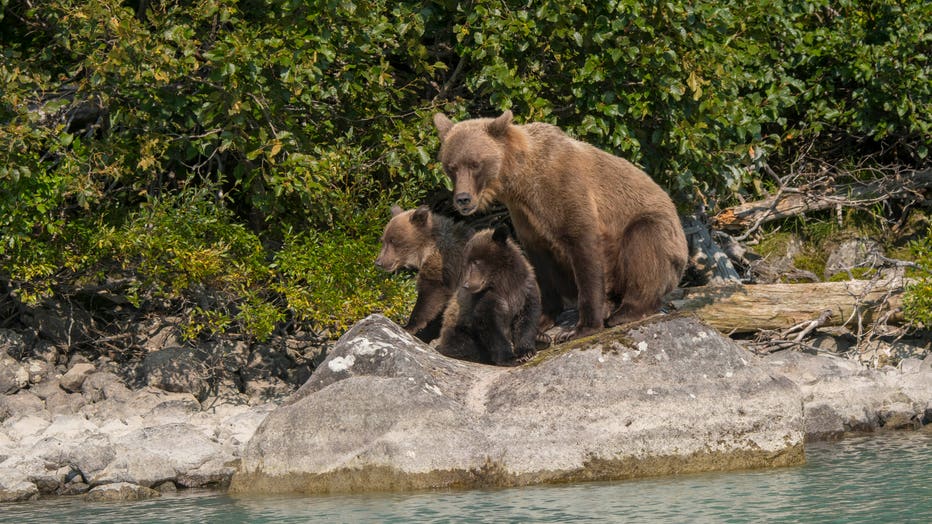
(13, 376)
(39, 370)
(46, 388)
(93, 455)
(26, 427)
(104, 385)
(841, 396)
(177, 370)
(63, 403)
(120, 491)
(852, 254)
(47, 351)
(166, 487)
(386, 412)
(14, 487)
(264, 390)
(152, 455)
(73, 488)
(74, 378)
(23, 402)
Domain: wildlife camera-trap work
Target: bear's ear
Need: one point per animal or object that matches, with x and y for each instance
(396, 210)
(420, 216)
(500, 234)
(443, 125)
(499, 126)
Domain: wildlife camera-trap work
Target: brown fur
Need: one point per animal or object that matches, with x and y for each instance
(495, 313)
(596, 228)
(433, 246)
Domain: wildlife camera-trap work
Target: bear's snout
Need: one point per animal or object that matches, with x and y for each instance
(464, 203)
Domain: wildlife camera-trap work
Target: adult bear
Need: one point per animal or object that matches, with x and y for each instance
(595, 227)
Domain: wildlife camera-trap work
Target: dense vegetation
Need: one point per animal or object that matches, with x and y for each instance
(233, 161)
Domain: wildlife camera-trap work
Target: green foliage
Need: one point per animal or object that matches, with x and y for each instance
(701, 92)
(330, 278)
(917, 301)
(230, 154)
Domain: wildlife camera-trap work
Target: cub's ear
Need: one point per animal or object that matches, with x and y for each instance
(396, 210)
(420, 216)
(500, 234)
(443, 125)
(499, 126)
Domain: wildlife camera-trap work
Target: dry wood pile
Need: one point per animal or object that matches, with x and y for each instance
(773, 316)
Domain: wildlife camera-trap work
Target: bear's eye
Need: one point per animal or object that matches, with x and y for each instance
(473, 165)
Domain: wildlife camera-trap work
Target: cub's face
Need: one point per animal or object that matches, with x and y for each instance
(406, 240)
(471, 153)
(485, 254)
(476, 274)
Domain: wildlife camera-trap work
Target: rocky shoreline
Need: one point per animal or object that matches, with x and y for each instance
(80, 428)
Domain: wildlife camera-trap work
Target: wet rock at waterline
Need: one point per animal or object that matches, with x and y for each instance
(841, 396)
(385, 412)
(120, 491)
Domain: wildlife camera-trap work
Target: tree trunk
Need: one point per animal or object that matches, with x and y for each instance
(736, 309)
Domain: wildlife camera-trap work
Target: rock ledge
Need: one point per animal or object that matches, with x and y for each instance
(386, 412)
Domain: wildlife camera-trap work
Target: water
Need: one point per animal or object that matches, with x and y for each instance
(886, 478)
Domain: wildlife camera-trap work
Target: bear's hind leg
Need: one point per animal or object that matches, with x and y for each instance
(644, 273)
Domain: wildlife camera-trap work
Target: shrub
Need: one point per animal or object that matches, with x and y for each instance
(917, 301)
(230, 153)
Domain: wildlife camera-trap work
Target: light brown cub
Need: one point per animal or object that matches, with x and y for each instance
(433, 246)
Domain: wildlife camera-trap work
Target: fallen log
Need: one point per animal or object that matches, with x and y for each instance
(749, 308)
(791, 202)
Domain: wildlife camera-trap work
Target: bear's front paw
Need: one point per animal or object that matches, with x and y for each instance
(565, 335)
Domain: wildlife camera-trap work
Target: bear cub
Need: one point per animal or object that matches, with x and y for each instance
(495, 313)
(432, 245)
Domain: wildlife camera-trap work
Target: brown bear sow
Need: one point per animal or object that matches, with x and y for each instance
(495, 313)
(433, 246)
(596, 228)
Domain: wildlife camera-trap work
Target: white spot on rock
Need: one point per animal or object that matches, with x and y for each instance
(651, 392)
(729, 374)
(433, 389)
(339, 364)
(642, 346)
(365, 346)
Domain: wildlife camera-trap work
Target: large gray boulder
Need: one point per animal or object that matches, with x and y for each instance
(386, 412)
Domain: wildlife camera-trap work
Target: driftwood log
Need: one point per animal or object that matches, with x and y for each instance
(790, 202)
(749, 308)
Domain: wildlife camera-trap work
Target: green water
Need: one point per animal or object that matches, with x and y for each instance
(885, 478)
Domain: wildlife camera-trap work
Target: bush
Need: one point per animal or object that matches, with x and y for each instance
(256, 138)
(917, 301)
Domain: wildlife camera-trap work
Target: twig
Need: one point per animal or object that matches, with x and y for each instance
(808, 326)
